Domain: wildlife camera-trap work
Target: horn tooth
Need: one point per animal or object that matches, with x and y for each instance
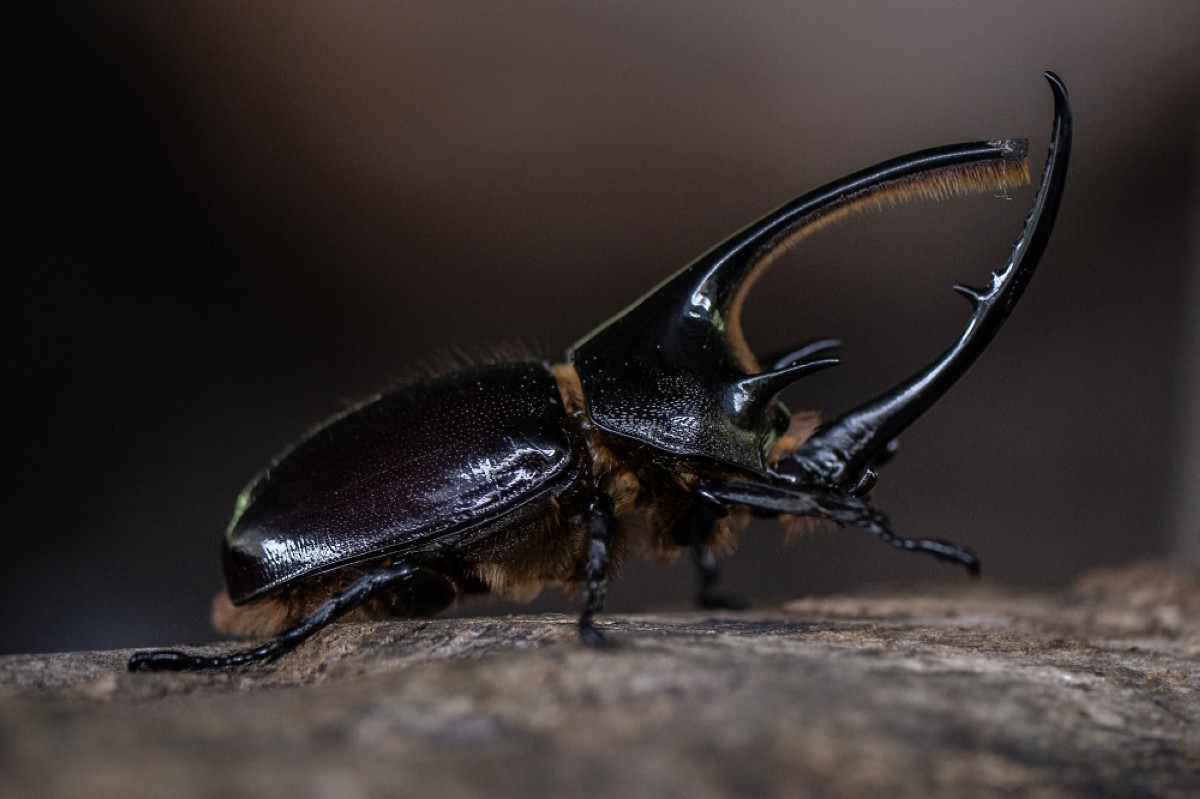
(755, 389)
(975, 296)
(808, 350)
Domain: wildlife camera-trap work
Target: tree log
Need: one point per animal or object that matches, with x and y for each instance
(973, 691)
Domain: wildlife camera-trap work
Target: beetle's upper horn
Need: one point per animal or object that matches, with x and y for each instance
(841, 450)
(674, 371)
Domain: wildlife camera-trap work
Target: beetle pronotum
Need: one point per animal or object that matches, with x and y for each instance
(661, 429)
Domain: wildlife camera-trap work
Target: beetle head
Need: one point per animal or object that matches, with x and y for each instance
(674, 372)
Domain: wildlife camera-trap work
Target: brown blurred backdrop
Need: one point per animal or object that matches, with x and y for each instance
(223, 221)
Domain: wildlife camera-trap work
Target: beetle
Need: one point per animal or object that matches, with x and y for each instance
(661, 429)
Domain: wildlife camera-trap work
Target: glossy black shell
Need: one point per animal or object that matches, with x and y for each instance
(411, 468)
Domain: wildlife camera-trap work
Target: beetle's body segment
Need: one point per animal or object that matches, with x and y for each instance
(404, 472)
(399, 477)
(660, 432)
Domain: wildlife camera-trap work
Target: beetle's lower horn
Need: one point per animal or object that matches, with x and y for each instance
(839, 452)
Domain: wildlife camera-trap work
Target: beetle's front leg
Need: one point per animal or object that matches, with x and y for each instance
(600, 532)
(843, 509)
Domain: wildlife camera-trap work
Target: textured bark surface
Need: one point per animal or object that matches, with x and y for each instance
(1090, 691)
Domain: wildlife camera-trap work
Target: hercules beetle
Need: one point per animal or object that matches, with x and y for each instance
(660, 430)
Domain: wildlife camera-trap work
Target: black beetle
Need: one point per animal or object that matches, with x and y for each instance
(661, 429)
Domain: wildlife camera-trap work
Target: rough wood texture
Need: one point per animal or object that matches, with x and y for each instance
(973, 692)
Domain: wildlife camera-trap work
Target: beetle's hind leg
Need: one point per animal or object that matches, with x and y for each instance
(842, 509)
(354, 595)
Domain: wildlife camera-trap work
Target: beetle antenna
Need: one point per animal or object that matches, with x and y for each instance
(839, 452)
(353, 596)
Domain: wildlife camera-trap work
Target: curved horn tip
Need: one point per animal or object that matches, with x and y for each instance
(1056, 83)
(1062, 101)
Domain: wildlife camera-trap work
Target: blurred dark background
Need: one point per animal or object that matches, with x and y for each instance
(224, 221)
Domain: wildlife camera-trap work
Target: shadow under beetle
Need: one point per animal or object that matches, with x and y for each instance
(660, 430)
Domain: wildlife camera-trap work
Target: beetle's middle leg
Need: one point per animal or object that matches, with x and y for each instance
(600, 533)
(695, 530)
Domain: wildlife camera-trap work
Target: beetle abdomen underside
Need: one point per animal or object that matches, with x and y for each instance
(406, 471)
